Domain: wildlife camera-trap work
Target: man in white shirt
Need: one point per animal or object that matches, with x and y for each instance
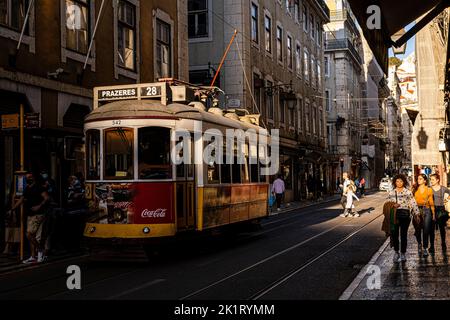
(278, 189)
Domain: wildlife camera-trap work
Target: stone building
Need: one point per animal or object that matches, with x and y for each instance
(277, 57)
(430, 124)
(136, 41)
(343, 79)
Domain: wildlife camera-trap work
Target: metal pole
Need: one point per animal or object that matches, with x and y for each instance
(223, 58)
(93, 34)
(25, 24)
(22, 168)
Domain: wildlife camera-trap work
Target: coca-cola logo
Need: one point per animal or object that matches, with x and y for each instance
(158, 213)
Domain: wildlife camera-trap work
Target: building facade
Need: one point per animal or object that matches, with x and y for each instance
(275, 67)
(394, 132)
(430, 124)
(374, 93)
(52, 69)
(344, 77)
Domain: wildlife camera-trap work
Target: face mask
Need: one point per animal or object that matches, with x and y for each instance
(44, 176)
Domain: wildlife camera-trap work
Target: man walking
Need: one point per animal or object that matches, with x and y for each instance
(35, 200)
(278, 189)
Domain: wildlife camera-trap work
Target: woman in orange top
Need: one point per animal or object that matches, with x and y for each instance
(424, 198)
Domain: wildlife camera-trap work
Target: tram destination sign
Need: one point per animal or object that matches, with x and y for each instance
(117, 94)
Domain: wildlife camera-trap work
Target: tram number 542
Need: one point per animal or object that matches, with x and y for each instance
(116, 122)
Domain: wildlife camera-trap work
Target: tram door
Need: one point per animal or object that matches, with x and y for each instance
(185, 205)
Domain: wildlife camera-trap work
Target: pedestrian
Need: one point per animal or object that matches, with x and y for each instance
(12, 228)
(48, 229)
(440, 194)
(357, 185)
(424, 198)
(406, 206)
(35, 199)
(349, 205)
(362, 184)
(343, 186)
(278, 190)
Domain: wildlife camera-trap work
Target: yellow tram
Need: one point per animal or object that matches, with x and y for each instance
(134, 188)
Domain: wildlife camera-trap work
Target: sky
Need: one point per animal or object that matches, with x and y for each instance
(410, 47)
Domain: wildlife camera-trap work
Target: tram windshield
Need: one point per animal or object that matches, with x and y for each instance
(119, 154)
(154, 153)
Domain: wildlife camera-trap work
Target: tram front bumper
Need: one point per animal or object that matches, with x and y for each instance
(128, 231)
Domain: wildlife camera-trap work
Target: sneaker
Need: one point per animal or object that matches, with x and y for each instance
(396, 257)
(356, 215)
(30, 260)
(402, 258)
(425, 252)
(344, 215)
(279, 209)
(41, 257)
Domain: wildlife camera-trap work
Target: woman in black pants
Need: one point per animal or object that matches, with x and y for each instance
(439, 198)
(406, 205)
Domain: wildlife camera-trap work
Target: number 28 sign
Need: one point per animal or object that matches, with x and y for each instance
(152, 91)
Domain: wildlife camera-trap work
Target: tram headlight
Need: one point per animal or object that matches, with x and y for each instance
(92, 229)
(146, 230)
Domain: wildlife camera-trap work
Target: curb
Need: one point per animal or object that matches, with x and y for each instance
(347, 294)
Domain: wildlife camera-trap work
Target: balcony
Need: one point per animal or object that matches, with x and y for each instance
(340, 15)
(343, 44)
(323, 6)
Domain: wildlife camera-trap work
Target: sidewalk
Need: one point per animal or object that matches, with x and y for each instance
(420, 278)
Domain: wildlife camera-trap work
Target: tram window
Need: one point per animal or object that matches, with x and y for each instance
(119, 154)
(213, 173)
(254, 173)
(236, 171)
(93, 154)
(225, 171)
(154, 153)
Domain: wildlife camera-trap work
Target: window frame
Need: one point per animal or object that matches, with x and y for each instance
(280, 43)
(254, 23)
(209, 37)
(29, 38)
(269, 43)
(104, 158)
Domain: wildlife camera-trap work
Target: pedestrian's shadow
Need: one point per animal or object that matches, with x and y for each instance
(366, 210)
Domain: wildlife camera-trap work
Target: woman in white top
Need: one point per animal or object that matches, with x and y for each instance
(351, 193)
(406, 207)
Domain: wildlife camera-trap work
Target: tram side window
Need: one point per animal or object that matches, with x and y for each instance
(119, 154)
(93, 154)
(236, 171)
(154, 153)
(225, 169)
(254, 173)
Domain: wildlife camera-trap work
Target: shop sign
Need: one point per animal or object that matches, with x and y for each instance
(10, 121)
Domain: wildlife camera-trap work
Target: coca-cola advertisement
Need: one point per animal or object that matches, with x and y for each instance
(127, 203)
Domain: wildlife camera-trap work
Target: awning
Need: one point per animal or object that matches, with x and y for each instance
(395, 15)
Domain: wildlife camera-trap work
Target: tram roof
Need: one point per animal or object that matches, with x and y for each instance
(142, 109)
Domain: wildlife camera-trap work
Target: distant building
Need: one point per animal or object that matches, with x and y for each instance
(344, 77)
